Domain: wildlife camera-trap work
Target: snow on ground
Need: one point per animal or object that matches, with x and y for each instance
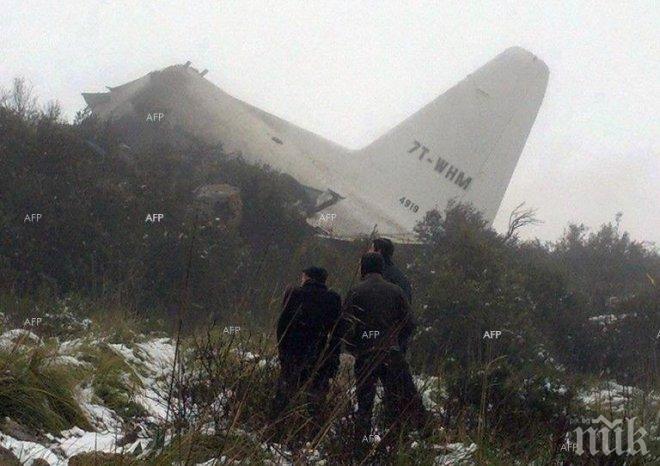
(431, 390)
(67, 444)
(609, 319)
(152, 359)
(28, 451)
(249, 356)
(76, 440)
(214, 462)
(18, 336)
(610, 394)
(66, 360)
(70, 347)
(102, 418)
(458, 454)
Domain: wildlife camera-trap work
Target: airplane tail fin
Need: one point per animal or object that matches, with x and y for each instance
(464, 145)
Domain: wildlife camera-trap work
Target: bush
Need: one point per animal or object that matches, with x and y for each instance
(38, 395)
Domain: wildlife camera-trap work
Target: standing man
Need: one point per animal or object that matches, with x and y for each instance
(379, 326)
(391, 272)
(308, 341)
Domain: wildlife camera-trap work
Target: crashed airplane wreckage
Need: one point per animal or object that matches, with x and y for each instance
(464, 145)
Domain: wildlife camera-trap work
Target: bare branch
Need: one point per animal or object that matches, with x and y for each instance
(519, 218)
(20, 99)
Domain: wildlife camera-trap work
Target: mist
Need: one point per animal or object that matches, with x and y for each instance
(349, 72)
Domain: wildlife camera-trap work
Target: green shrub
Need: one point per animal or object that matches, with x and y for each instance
(36, 394)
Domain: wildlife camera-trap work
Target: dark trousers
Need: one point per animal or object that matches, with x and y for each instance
(300, 379)
(402, 402)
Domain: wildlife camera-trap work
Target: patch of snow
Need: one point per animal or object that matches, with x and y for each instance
(125, 352)
(12, 338)
(66, 360)
(157, 354)
(75, 440)
(27, 451)
(458, 454)
(152, 361)
(214, 461)
(101, 417)
(429, 387)
(70, 346)
(245, 355)
(615, 397)
(548, 384)
(272, 363)
(609, 319)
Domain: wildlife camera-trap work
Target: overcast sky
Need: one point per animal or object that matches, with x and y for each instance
(350, 70)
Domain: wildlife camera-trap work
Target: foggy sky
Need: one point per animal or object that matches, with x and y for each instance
(351, 70)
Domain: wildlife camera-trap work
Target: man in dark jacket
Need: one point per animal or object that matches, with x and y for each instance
(308, 341)
(379, 325)
(391, 272)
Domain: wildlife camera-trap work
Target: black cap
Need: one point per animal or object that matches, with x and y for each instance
(385, 247)
(372, 262)
(318, 274)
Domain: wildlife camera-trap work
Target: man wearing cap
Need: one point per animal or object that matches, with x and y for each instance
(308, 341)
(378, 329)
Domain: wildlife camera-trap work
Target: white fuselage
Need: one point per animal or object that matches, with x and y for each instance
(463, 146)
